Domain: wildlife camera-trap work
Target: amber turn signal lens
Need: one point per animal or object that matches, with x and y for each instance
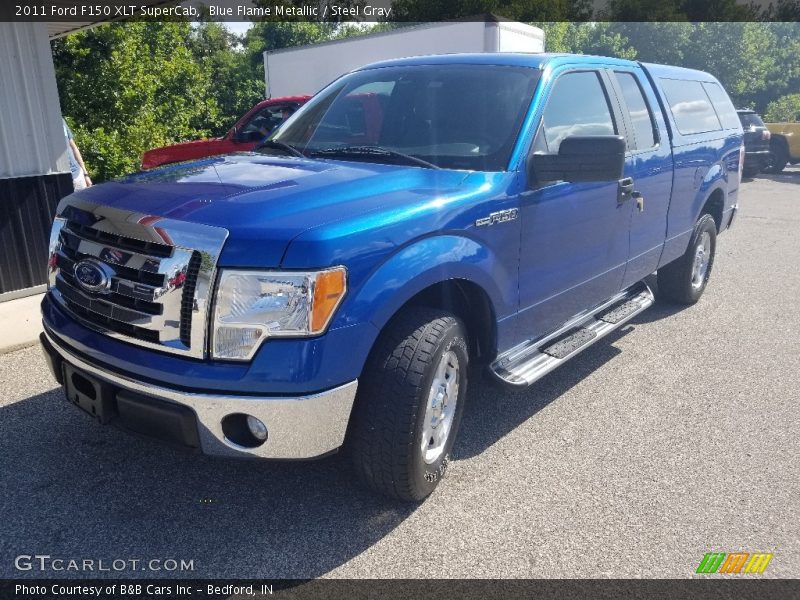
(329, 289)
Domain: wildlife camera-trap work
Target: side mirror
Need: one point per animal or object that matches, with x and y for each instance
(580, 159)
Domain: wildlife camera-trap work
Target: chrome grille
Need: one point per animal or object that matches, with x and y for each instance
(156, 274)
(187, 299)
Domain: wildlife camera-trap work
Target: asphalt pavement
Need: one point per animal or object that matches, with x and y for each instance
(674, 437)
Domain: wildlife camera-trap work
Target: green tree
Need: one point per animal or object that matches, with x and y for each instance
(129, 87)
(784, 109)
(741, 55)
(677, 10)
(236, 86)
(642, 10)
(518, 10)
(656, 42)
(603, 39)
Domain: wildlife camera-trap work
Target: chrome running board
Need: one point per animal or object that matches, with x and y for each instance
(533, 359)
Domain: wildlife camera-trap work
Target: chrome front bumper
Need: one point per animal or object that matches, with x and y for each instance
(299, 427)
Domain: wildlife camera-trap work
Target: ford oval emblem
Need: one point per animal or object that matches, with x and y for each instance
(92, 275)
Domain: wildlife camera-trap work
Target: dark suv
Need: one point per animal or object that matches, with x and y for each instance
(756, 142)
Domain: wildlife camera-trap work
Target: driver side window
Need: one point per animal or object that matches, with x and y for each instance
(577, 106)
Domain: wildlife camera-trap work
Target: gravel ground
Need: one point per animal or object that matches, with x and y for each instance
(674, 437)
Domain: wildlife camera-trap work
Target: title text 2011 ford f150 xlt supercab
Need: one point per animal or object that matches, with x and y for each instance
(333, 287)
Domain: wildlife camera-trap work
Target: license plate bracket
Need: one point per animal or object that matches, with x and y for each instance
(94, 397)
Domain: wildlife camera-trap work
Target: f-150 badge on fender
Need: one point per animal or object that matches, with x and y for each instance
(501, 216)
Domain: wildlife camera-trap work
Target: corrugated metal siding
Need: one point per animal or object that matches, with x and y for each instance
(31, 135)
(27, 207)
(57, 29)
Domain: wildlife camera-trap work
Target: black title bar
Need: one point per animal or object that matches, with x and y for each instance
(445, 589)
(88, 11)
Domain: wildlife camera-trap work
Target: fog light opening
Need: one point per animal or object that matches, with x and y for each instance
(257, 428)
(243, 430)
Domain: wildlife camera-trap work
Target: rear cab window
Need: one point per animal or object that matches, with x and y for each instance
(722, 104)
(690, 106)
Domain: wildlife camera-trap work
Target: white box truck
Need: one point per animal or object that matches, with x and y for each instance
(307, 69)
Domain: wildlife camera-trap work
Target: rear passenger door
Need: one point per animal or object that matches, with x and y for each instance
(648, 169)
(574, 243)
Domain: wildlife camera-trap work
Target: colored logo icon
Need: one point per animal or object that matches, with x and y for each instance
(737, 562)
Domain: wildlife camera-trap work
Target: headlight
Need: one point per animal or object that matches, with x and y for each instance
(254, 305)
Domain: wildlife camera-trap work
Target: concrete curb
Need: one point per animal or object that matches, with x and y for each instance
(9, 349)
(20, 323)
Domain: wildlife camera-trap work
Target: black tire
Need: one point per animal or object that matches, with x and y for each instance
(778, 158)
(676, 281)
(386, 430)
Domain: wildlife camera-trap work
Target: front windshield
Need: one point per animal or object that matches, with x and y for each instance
(453, 116)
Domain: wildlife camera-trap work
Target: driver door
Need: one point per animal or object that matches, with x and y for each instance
(574, 239)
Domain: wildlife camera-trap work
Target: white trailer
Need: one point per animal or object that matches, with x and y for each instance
(307, 69)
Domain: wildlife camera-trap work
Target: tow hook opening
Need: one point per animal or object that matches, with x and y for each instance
(244, 430)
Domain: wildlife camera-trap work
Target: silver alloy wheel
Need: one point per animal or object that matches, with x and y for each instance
(702, 258)
(440, 408)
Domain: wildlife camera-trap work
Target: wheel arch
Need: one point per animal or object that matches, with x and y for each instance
(471, 304)
(451, 272)
(714, 205)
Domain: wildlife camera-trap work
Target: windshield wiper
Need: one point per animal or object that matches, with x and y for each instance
(345, 151)
(276, 145)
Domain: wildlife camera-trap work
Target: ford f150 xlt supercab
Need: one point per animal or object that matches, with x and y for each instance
(498, 210)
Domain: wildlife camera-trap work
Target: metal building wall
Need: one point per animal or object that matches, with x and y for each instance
(31, 136)
(34, 171)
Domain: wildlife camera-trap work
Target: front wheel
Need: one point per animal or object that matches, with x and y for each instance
(409, 405)
(684, 280)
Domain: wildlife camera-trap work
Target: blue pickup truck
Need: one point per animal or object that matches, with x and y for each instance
(416, 221)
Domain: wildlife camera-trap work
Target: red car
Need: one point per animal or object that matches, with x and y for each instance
(245, 135)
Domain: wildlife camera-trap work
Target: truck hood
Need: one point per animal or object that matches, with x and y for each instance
(265, 202)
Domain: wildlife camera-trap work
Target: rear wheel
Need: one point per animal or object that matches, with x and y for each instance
(410, 402)
(684, 280)
(777, 159)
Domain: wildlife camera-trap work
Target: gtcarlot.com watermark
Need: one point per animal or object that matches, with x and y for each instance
(46, 563)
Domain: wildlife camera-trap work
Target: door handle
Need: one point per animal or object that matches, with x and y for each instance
(639, 199)
(625, 190)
